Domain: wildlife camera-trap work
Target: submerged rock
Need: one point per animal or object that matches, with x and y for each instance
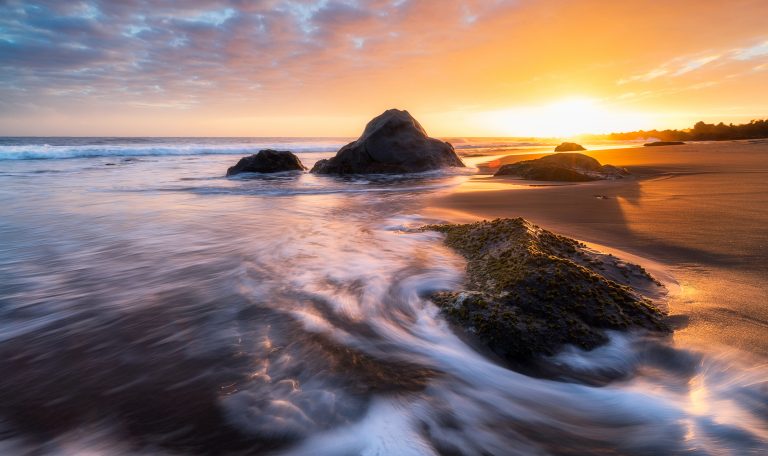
(664, 143)
(393, 142)
(570, 167)
(529, 291)
(569, 147)
(267, 161)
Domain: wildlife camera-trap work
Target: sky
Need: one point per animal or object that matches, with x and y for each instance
(325, 67)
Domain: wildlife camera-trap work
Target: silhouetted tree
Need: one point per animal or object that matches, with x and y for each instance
(701, 131)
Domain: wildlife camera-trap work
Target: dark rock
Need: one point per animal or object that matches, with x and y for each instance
(569, 147)
(529, 291)
(545, 173)
(267, 161)
(664, 143)
(393, 142)
(569, 167)
(571, 160)
(612, 172)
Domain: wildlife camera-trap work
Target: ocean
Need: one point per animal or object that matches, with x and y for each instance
(30, 148)
(151, 305)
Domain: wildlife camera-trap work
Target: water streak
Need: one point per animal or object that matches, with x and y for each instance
(156, 307)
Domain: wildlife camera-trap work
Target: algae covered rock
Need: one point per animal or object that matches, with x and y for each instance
(569, 147)
(529, 291)
(568, 167)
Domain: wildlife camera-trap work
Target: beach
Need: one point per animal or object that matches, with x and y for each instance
(150, 304)
(384, 227)
(700, 210)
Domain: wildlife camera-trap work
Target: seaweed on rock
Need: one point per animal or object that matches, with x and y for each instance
(530, 291)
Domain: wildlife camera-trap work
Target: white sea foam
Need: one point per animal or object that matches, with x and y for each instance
(63, 148)
(46, 151)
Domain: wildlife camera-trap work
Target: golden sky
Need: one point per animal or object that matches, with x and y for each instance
(324, 68)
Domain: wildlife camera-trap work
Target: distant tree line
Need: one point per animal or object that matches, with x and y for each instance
(701, 132)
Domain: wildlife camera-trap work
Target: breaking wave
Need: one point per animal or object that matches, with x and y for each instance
(66, 148)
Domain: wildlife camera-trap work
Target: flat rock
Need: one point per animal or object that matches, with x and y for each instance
(569, 147)
(529, 292)
(664, 143)
(568, 167)
(267, 161)
(392, 143)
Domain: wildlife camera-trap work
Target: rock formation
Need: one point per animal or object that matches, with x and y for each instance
(569, 147)
(664, 143)
(392, 143)
(529, 291)
(570, 167)
(267, 161)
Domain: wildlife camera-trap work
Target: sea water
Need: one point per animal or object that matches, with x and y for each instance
(151, 305)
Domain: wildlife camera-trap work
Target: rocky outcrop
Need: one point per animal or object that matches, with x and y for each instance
(569, 147)
(392, 143)
(267, 161)
(569, 167)
(664, 143)
(528, 291)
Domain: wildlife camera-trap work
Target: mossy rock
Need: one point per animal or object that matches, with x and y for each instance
(530, 291)
(566, 167)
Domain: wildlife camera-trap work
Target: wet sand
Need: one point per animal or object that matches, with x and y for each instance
(700, 210)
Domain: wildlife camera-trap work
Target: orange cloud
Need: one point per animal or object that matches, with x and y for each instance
(290, 67)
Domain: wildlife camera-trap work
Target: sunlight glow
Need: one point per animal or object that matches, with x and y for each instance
(563, 118)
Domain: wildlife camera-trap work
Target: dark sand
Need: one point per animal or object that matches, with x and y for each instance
(700, 210)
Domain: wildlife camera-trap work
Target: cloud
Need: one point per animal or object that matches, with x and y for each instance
(751, 52)
(644, 77)
(686, 64)
(238, 59)
(695, 64)
(200, 48)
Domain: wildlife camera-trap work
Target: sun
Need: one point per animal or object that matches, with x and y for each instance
(563, 118)
(570, 117)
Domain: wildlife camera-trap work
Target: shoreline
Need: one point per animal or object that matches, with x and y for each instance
(692, 214)
(293, 305)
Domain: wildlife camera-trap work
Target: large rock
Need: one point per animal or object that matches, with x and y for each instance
(267, 161)
(393, 142)
(569, 147)
(528, 291)
(569, 167)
